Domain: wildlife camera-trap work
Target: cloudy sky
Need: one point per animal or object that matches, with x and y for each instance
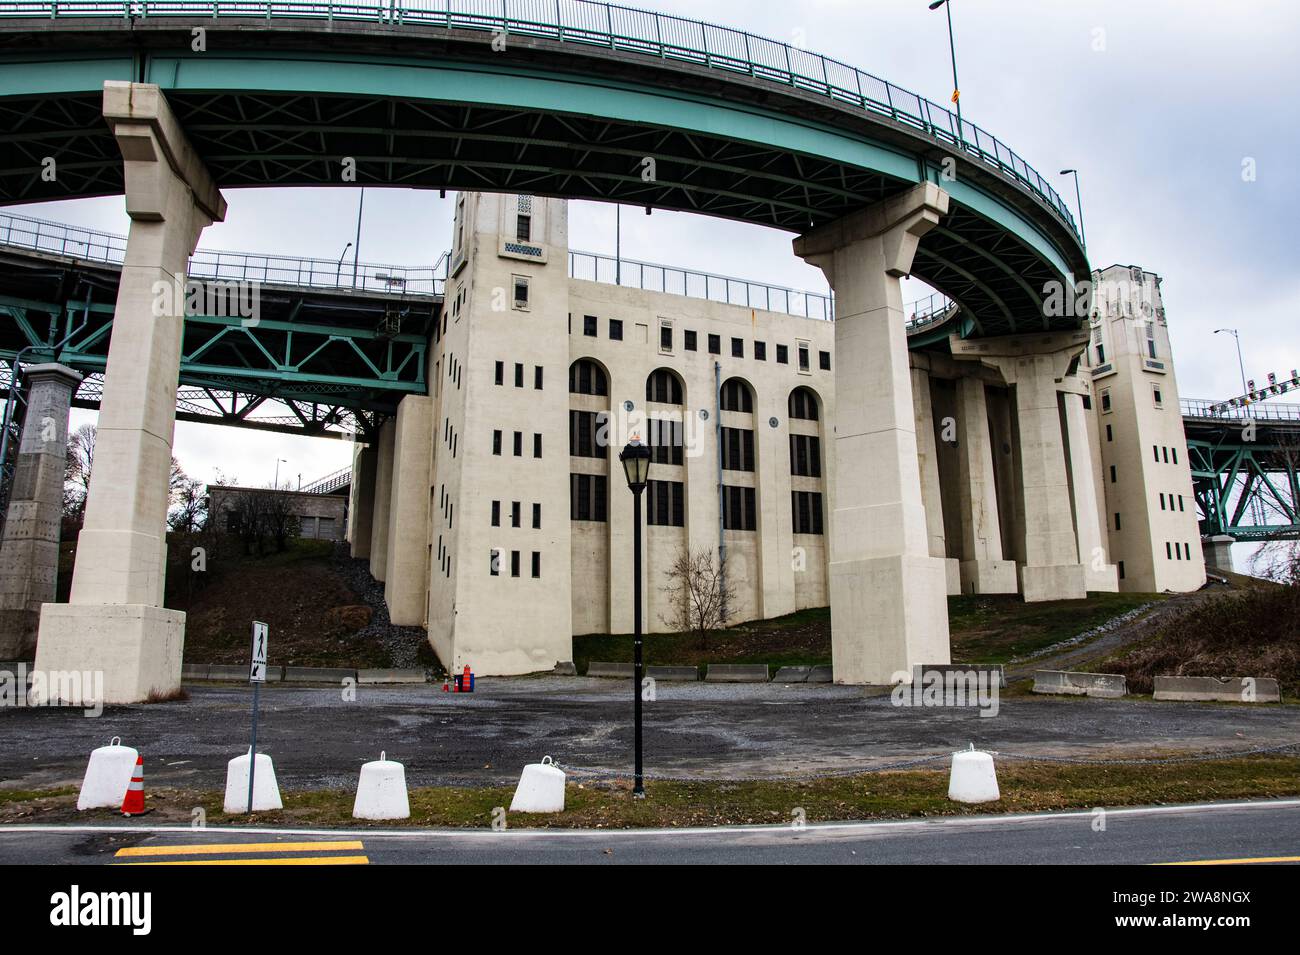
(1161, 105)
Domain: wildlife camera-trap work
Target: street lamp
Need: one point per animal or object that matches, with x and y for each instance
(1078, 202)
(636, 465)
(956, 89)
(1240, 364)
(338, 269)
(278, 461)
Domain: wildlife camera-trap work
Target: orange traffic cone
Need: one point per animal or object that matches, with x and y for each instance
(133, 804)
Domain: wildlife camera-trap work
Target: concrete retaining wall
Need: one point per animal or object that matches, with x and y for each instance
(961, 669)
(737, 673)
(1235, 690)
(1071, 683)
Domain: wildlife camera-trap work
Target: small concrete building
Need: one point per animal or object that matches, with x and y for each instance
(496, 512)
(320, 516)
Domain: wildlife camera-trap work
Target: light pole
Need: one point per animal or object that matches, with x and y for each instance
(636, 465)
(952, 49)
(1240, 364)
(338, 269)
(1078, 202)
(277, 471)
(356, 252)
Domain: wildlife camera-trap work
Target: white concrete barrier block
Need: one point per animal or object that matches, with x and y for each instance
(266, 793)
(540, 789)
(973, 778)
(108, 774)
(381, 791)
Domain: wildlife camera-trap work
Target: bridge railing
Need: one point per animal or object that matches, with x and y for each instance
(623, 29)
(56, 238)
(1258, 411)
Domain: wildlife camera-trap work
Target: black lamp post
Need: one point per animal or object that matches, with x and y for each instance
(952, 48)
(636, 465)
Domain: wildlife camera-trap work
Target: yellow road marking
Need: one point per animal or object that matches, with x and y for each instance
(275, 860)
(1260, 860)
(215, 848)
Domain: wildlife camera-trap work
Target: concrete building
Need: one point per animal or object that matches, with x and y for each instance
(538, 379)
(1150, 517)
(320, 516)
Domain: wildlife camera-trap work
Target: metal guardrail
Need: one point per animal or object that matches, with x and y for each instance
(56, 238)
(1255, 411)
(623, 29)
(329, 482)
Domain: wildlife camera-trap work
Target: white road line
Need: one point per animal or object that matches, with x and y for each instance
(812, 828)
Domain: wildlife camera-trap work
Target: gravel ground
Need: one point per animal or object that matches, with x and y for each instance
(318, 739)
(402, 643)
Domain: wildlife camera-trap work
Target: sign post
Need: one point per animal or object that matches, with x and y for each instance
(256, 676)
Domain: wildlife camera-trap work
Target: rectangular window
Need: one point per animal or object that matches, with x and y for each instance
(1101, 354)
(1105, 401)
(1162, 502)
(737, 449)
(1110, 435)
(803, 357)
(523, 228)
(616, 329)
(514, 513)
(588, 494)
(1157, 397)
(1169, 554)
(760, 351)
(737, 348)
(537, 563)
(519, 375)
(1180, 504)
(688, 340)
(806, 509)
(1117, 523)
(824, 360)
(496, 442)
(584, 434)
(1165, 451)
(738, 512)
(537, 516)
(501, 373)
(1175, 453)
(782, 354)
(496, 513)
(494, 568)
(537, 445)
(715, 344)
(666, 441)
(664, 504)
(1112, 474)
(1155, 453)
(519, 444)
(1120, 567)
(537, 377)
(805, 455)
(514, 563)
(589, 326)
(521, 291)
(665, 336)
(1087, 402)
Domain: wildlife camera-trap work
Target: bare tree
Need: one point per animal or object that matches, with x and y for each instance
(281, 521)
(189, 503)
(699, 592)
(76, 477)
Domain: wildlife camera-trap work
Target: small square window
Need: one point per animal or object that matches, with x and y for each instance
(783, 354)
(824, 360)
(1087, 402)
(737, 348)
(589, 326)
(616, 329)
(760, 351)
(715, 344)
(688, 341)
(521, 292)
(1157, 396)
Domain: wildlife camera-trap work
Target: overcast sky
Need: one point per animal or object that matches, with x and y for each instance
(1158, 104)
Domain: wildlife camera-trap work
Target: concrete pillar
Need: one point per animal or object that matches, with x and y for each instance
(362, 510)
(1051, 570)
(383, 500)
(1099, 573)
(406, 585)
(927, 457)
(983, 569)
(1218, 552)
(115, 621)
(29, 552)
(889, 607)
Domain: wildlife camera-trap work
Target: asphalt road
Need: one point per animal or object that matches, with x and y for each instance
(1239, 832)
(319, 740)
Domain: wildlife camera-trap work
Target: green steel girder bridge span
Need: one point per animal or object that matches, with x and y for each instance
(577, 102)
(1245, 463)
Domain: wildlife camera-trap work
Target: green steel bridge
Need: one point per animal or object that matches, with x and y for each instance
(552, 97)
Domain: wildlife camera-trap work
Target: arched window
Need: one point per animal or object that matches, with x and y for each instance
(803, 404)
(587, 378)
(664, 387)
(736, 396)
